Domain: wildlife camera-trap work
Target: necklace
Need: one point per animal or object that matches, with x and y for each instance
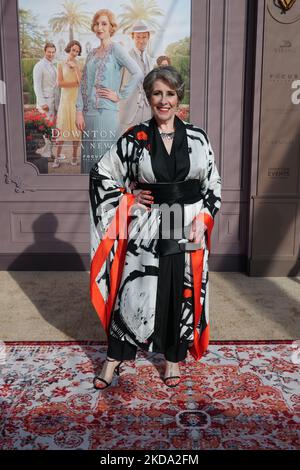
(167, 135)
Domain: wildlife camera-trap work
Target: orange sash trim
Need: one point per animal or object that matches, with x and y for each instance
(119, 224)
(200, 343)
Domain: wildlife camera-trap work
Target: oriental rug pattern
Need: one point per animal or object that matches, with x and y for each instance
(241, 395)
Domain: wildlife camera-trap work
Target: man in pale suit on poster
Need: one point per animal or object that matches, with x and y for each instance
(136, 108)
(45, 82)
(45, 88)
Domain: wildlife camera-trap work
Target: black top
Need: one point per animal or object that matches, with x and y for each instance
(173, 167)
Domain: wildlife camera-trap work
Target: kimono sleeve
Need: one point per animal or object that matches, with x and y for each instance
(211, 190)
(212, 198)
(109, 183)
(110, 203)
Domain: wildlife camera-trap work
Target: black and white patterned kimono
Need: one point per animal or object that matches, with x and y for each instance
(158, 303)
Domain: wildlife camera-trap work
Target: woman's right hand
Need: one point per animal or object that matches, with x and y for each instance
(143, 198)
(80, 123)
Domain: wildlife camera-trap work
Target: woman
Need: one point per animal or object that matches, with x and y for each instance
(68, 79)
(97, 104)
(148, 288)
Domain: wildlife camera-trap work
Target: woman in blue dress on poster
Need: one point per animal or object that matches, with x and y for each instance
(99, 93)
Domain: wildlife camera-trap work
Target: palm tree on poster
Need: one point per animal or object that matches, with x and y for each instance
(135, 10)
(71, 18)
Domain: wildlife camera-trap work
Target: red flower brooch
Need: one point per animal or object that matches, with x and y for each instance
(142, 135)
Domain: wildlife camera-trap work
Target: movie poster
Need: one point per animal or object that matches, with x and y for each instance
(82, 73)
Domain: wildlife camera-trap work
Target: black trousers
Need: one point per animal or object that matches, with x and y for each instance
(166, 337)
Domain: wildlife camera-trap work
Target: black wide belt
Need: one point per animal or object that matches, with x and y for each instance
(180, 192)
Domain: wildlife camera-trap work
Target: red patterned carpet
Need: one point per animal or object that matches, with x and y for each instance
(241, 395)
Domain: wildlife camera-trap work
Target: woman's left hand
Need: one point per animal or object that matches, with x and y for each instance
(197, 232)
(108, 94)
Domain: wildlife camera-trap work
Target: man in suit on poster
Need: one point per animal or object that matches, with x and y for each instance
(136, 108)
(45, 87)
(45, 82)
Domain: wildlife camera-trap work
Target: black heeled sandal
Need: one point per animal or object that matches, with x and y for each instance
(172, 377)
(106, 384)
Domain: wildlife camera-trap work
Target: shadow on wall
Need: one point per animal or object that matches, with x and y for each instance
(61, 299)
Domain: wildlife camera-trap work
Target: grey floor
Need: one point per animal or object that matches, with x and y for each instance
(49, 306)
